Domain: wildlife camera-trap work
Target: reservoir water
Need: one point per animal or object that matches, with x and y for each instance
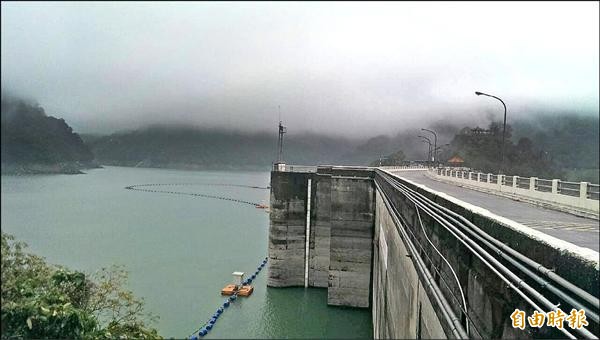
(180, 250)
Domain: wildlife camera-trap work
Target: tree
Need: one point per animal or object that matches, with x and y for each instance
(45, 301)
(396, 158)
(482, 152)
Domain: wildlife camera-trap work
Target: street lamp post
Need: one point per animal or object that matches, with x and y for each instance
(381, 158)
(434, 144)
(501, 171)
(441, 146)
(428, 151)
(428, 141)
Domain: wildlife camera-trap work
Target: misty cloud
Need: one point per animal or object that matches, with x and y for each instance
(349, 68)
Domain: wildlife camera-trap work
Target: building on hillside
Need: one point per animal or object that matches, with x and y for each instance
(479, 131)
(456, 161)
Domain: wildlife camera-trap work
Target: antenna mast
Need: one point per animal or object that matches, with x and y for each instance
(282, 130)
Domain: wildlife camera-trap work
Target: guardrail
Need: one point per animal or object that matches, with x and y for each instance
(578, 195)
(403, 167)
(313, 168)
(294, 168)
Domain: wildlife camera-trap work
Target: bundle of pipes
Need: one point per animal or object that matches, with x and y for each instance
(486, 248)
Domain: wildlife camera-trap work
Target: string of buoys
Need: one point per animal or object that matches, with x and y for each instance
(205, 329)
(204, 184)
(138, 187)
(208, 326)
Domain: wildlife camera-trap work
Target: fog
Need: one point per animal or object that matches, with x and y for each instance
(353, 69)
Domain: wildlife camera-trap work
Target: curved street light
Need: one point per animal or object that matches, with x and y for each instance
(381, 158)
(501, 171)
(442, 146)
(428, 150)
(434, 143)
(428, 141)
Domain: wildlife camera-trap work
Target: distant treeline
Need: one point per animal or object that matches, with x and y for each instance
(571, 141)
(559, 145)
(196, 148)
(181, 147)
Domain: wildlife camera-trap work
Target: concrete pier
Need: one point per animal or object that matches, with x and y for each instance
(287, 229)
(351, 241)
(340, 242)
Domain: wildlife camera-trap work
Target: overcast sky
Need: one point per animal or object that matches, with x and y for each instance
(358, 68)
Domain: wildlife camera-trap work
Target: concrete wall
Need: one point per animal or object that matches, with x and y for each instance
(318, 275)
(341, 233)
(352, 217)
(401, 308)
(287, 229)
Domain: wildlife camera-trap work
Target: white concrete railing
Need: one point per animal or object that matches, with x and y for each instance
(294, 168)
(579, 195)
(313, 168)
(403, 167)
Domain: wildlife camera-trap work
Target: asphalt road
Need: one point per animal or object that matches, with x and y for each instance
(581, 231)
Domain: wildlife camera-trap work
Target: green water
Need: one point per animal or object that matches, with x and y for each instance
(180, 250)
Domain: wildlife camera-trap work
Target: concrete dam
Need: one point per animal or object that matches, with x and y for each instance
(426, 265)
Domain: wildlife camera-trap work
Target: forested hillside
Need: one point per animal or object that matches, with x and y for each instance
(33, 142)
(182, 147)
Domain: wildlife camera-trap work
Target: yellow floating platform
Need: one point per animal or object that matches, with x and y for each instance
(245, 290)
(229, 290)
(241, 291)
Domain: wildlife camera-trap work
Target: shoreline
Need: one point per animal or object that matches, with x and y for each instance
(63, 168)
